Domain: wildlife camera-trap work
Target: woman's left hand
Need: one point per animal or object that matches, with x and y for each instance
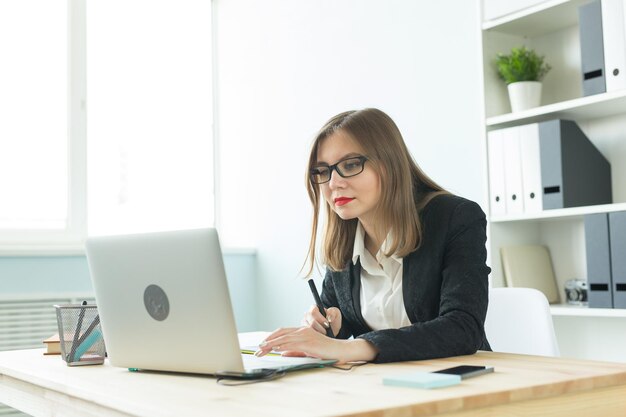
(305, 341)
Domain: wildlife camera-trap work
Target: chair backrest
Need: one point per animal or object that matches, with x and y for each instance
(519, 321)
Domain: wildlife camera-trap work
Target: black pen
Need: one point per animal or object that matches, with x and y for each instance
(320, 306)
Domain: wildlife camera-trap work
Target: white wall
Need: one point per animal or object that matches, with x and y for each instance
(284, 67)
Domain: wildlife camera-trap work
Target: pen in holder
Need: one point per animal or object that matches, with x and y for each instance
(80, 334)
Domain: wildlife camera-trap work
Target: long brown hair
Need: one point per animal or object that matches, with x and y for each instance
(403, 185)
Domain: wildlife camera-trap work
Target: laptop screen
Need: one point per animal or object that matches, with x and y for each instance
(163, 301)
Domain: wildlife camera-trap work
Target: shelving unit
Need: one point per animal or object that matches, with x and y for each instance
(551, 28)
(584, 311)
(583, 108)
(575, 213)
(537, 20)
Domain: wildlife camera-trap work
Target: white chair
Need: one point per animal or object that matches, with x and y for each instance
(519, 321)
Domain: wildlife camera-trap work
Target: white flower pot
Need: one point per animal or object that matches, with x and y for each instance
(524, 95)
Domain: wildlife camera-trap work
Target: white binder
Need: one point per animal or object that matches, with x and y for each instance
(614, 35)
(495, 150)
(531, 167)
(513, 171)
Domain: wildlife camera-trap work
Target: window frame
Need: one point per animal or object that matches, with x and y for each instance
(68, 241)
(71, 240)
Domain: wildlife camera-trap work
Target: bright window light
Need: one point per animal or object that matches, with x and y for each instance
(149, 115)
(33, 115)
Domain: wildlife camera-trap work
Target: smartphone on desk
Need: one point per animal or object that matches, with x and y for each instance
(466, 371)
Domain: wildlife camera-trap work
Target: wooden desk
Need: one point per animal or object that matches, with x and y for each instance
(521, 385)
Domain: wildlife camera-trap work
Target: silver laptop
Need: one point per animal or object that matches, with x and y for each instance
(164, 305)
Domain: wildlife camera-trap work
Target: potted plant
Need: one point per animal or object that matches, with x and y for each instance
(522, 70)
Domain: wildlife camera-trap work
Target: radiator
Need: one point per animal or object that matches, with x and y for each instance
(26, 320)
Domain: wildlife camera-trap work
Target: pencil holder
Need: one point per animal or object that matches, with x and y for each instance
(80, 334)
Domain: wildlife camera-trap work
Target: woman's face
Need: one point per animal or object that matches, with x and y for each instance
(353, 197)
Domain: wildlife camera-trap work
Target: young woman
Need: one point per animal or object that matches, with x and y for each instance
(406, 273)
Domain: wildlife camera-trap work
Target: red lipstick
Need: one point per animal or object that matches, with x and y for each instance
(340, 201)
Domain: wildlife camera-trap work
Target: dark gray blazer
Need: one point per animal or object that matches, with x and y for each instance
(444, 284)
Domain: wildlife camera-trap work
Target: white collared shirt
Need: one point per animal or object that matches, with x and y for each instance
(382, 305)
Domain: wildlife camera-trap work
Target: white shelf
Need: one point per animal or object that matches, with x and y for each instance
(584, 311)
(556, 214)
(583, 108)
(551, 27)
(540, 19)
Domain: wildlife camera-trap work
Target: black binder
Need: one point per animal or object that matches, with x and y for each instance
(617, 227)
(573, 172)
(598, 250)
(592, 48)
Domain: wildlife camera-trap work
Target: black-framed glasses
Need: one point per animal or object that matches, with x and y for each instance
(346, 168)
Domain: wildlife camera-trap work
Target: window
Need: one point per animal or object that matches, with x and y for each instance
(139, 145)
(37, 135)
(149, 115)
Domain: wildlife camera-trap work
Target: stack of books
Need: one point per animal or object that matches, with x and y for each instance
(53, 345)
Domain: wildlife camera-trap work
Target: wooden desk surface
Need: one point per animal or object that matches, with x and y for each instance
(521, 385)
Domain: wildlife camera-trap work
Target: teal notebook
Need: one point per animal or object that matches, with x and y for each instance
(425, 380)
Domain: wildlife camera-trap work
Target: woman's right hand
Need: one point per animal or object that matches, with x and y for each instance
(314, 319)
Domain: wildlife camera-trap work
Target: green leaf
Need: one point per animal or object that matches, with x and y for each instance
(522, 64)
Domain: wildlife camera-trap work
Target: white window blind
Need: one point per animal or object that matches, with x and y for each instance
(150, 153)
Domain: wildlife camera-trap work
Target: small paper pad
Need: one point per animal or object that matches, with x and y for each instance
(425, 380)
